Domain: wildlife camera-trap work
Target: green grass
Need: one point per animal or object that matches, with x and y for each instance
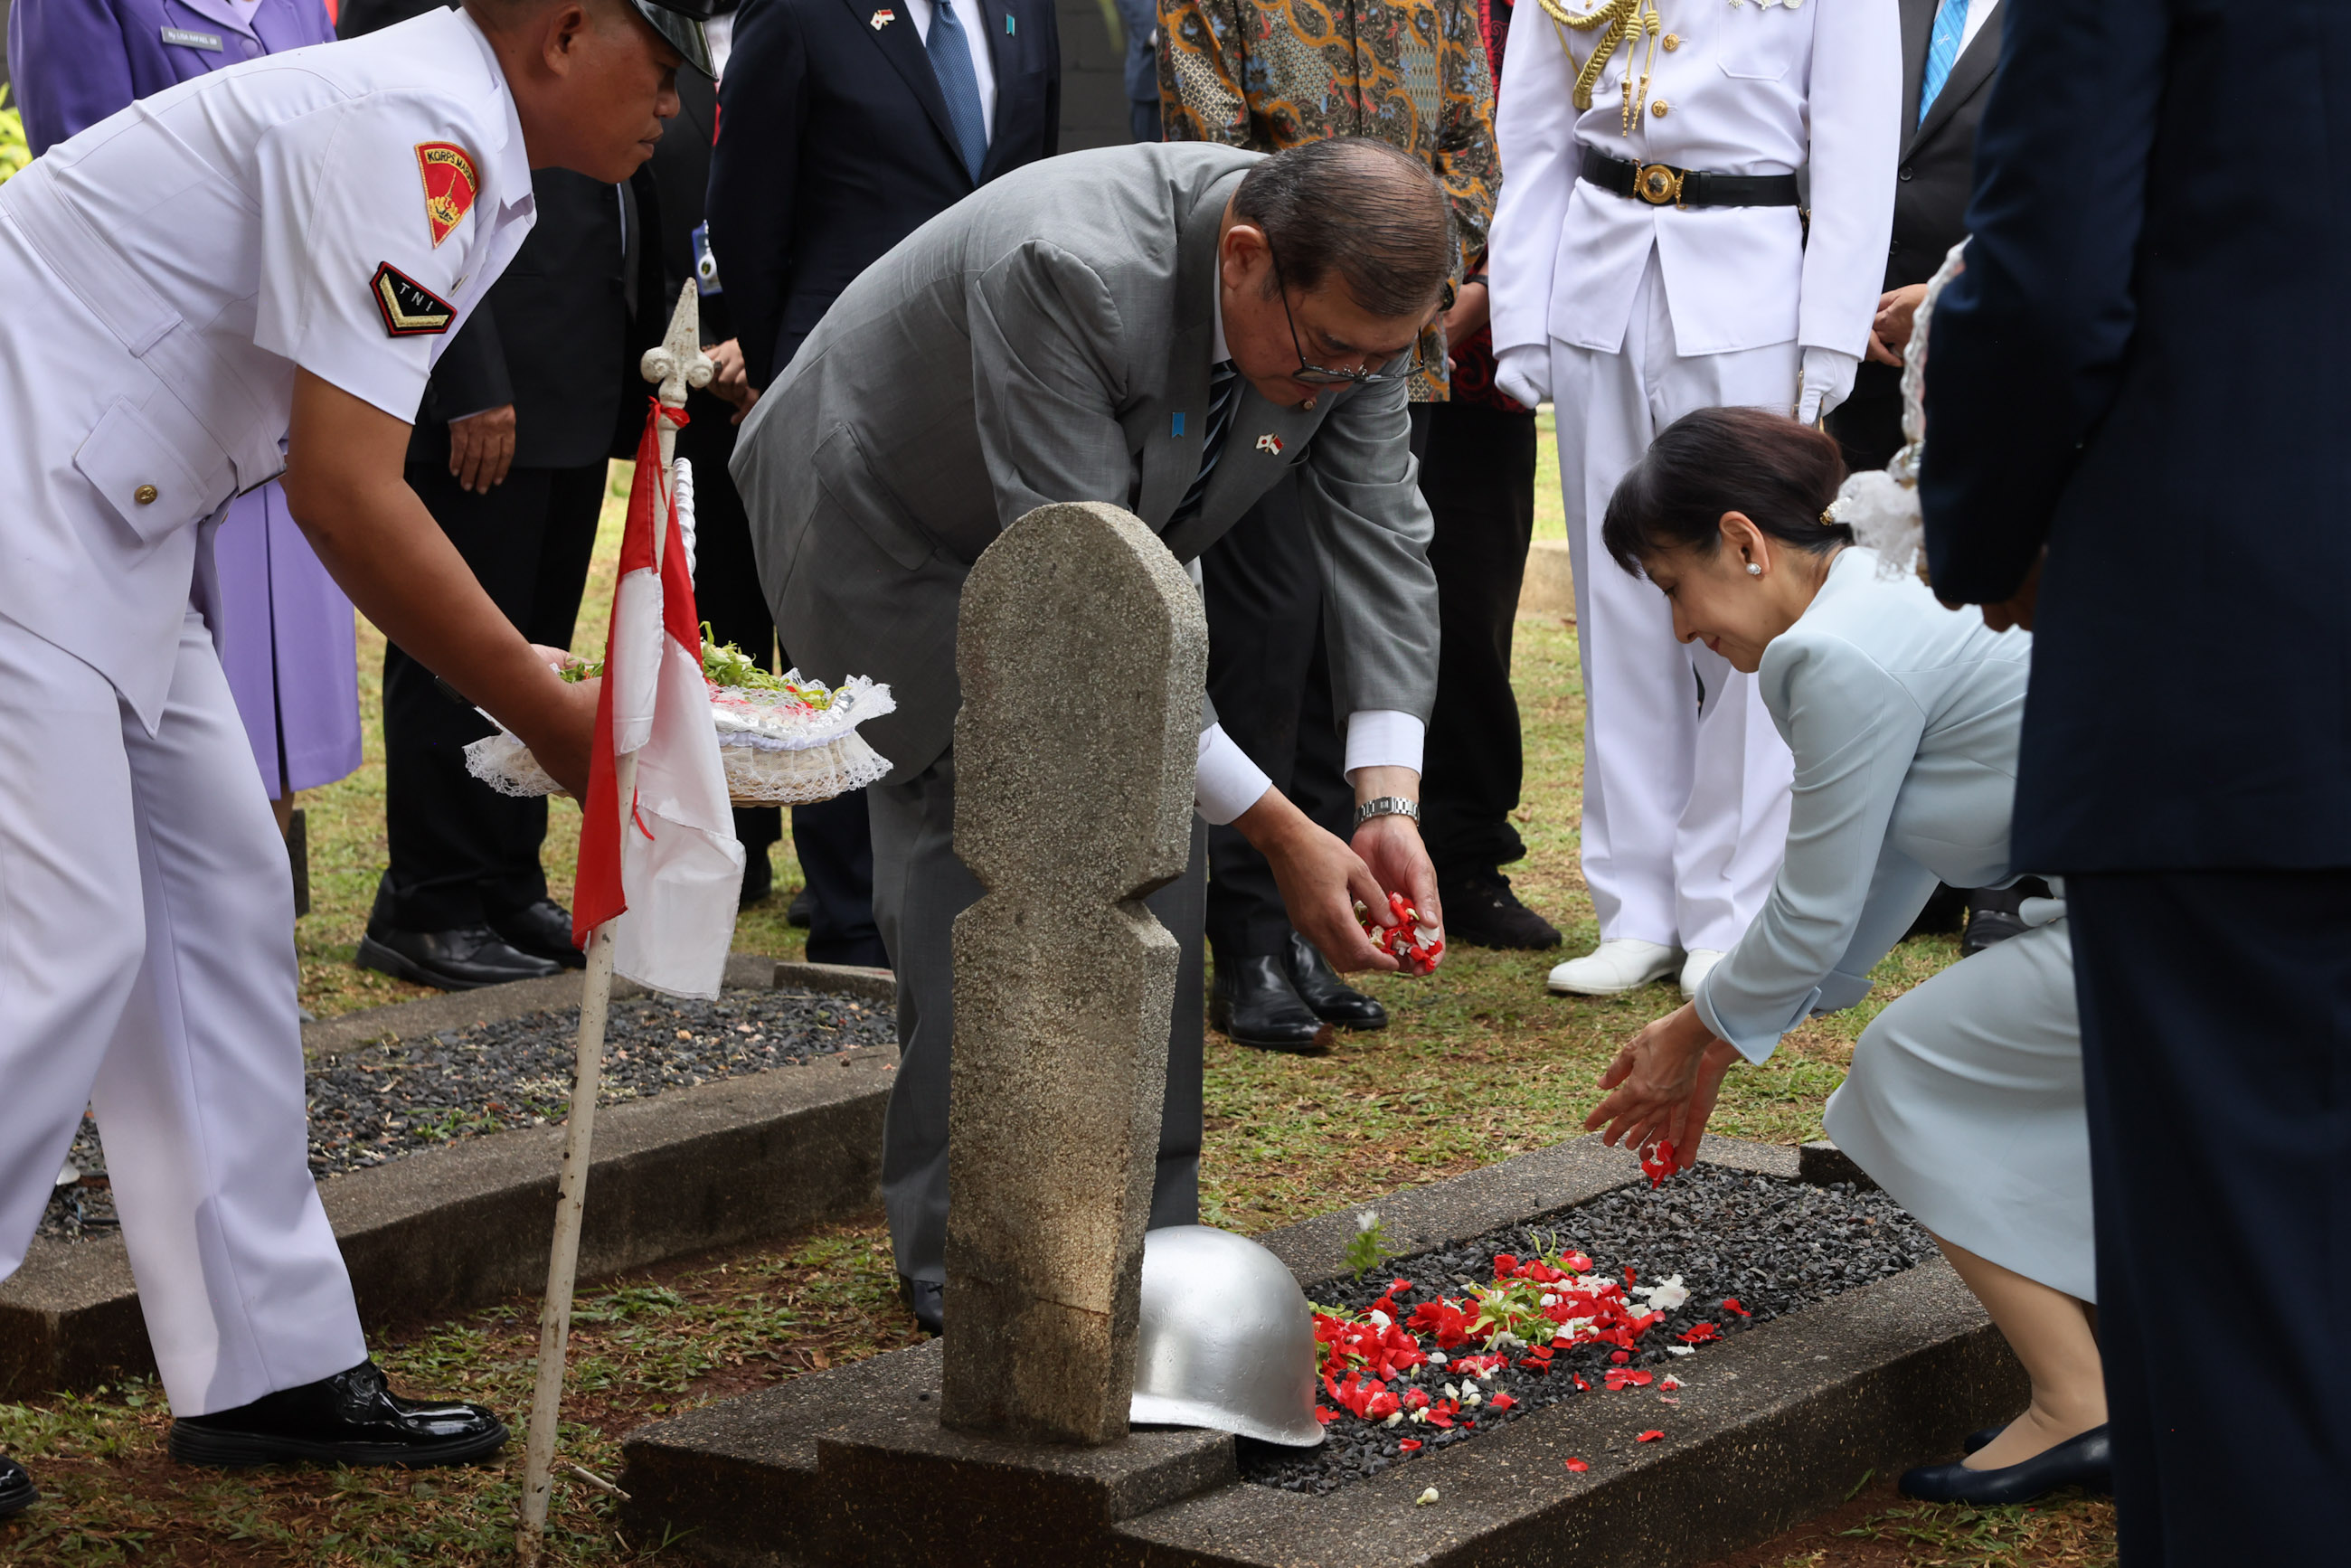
(1479, 1063)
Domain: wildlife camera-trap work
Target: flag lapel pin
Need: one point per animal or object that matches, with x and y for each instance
(1269, 443)
(881, 18)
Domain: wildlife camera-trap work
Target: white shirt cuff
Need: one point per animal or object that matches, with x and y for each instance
(1384, 737)
(1227, 783)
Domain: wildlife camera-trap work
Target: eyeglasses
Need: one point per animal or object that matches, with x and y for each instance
(1323, 376)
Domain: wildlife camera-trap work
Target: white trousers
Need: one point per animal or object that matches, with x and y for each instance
(1965, 1102)
(1685, 804)
(147, 965)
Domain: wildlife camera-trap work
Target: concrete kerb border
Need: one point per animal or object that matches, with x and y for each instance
(445, 1231)
(1770, 1426)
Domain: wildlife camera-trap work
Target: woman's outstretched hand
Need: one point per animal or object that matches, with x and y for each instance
(1663, 1084)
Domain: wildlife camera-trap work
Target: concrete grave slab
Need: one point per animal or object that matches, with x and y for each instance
(851, 1466)
(444, 1230)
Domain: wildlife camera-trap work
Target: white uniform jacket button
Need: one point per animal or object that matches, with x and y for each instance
(145, 495)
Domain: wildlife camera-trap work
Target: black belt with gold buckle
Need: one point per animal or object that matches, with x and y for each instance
(1662, 184)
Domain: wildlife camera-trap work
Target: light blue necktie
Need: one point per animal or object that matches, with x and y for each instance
(1942, 51)
(950, 50)
(1224, 387)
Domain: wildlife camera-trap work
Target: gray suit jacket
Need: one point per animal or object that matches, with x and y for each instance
(1047, 339)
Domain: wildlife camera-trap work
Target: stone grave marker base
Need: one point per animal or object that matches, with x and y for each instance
(852, 1467)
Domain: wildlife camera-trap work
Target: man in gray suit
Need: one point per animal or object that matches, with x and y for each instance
(1169, 328)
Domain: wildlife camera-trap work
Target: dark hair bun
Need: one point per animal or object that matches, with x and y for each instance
(1781, 475)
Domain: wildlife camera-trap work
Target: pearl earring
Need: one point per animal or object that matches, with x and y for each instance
(1753, 570)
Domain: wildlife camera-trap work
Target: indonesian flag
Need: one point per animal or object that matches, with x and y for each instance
(669, 876)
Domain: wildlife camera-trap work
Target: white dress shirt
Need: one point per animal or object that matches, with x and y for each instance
(1227, 783)
(983, 63)
(1979, 12)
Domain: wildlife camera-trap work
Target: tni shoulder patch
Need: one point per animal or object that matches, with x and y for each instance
(410, 309)
(450, 185)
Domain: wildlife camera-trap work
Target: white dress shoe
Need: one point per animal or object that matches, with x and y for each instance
(1696, 967)
(1620, 964)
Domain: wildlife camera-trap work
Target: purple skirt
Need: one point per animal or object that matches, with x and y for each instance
(287, 639)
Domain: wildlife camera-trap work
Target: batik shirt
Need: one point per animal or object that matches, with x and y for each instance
(1270, 74)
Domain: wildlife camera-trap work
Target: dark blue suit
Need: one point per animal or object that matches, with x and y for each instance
(834, 145)
(2142, 370)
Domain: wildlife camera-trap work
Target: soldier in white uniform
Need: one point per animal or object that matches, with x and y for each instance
(244, 276)
(1650, 257)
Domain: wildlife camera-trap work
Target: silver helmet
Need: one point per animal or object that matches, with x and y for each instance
(1226, 1339)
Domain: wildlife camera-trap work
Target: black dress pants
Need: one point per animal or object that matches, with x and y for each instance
(1477, 475)
(726, 573)
(2216, 1050)
(1269, 679)
(460, 853)
(833, 840)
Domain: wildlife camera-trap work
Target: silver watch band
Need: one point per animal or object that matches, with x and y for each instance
(1387, 806)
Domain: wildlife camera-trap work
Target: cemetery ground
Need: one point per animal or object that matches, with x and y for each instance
(1476, 1064)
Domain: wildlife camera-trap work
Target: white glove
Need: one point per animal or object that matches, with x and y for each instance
(1523, 371)
(1827, 381)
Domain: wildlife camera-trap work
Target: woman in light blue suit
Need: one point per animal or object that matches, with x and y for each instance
(1965, 1097)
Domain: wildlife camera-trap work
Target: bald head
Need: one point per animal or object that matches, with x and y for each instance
(1373, 216)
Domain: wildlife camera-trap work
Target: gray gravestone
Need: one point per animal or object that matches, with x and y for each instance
(1083, 651)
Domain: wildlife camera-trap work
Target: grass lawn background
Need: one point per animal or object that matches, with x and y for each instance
(1479, 1063)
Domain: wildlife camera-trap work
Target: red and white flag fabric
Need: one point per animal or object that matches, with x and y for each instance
(668, 876)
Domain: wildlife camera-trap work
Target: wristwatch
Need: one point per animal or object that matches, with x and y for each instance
(1387, 806)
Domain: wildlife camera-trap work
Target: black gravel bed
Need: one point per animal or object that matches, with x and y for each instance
(1771, 1245)
(379, 1103)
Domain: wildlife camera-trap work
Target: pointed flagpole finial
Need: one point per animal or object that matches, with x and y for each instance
(677, 362)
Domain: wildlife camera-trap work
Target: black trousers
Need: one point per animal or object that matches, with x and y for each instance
(2216, 1046)
(1868, 424)
(1478, 474)
(1269, 678)
(460, 853)
(834, 841)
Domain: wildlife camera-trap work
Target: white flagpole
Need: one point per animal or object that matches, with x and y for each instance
(676, 364)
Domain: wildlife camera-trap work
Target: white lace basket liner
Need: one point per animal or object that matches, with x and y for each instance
(778, 750)
(1881, 505)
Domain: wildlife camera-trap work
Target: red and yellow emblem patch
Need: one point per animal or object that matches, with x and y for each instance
(450, 185)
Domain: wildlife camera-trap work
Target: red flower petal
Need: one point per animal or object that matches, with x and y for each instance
(1668, 1383)
(1649, 1436)
(1410, 1444)
(1730, 1304)
(1501, 1401)
(1578, 1466)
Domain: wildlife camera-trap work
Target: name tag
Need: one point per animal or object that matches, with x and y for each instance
(208, 42)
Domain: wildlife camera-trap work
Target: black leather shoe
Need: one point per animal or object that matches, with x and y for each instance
(1980, 1440)
(758, 878)
(465, 959)
(350, 1418)
(16, 1489)
(1326, 996)
(2086, 1461)
(927, 1300)
(1994, 914)
(1483, 912)
(801, 912)
(542, 931)
(1255, 1005)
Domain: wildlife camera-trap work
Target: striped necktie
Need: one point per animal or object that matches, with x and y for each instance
(1942, 51)
(1224, 396)
(950, 50)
